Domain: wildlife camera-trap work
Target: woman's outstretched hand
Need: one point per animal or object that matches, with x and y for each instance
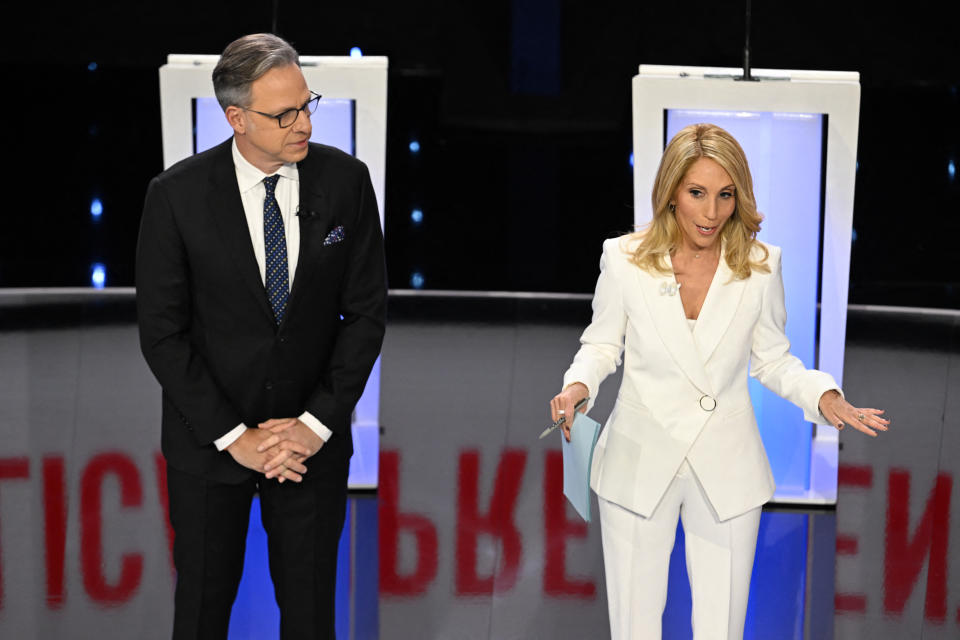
(840, 412)
(564, 402)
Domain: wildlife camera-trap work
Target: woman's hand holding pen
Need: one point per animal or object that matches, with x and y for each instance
(564, 404)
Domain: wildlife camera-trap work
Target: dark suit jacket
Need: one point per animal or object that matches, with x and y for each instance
(207, 330)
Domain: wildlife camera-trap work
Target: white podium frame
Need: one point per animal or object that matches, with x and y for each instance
(657, 88)
(361, 79)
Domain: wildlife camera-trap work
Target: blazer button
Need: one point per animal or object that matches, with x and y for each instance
(268, 386)
(283, 339)
(708, 403)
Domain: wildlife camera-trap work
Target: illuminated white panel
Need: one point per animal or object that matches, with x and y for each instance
(333, 124)
(785, 153)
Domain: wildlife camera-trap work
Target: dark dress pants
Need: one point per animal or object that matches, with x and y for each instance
(303, 522)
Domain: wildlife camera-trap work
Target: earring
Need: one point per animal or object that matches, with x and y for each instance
(673, 207)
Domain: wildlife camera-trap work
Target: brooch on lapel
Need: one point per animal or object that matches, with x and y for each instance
(670, 289)
(335, 236)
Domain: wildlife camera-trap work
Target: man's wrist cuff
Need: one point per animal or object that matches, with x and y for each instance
(230, 437)
(315, 425)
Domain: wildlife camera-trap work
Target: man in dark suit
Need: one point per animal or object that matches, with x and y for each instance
(261, 295)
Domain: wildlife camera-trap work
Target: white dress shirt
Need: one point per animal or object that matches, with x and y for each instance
(252, 194)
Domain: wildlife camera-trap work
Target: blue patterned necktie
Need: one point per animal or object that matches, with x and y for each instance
(275, 242)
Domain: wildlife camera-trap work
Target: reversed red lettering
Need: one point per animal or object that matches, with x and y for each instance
(393, 523)
(11, 469)
(851, 475)
(55, 527)
(160, 467)
(861, 476)
(846, 545)
(91, 528)
(849, 602)
(905, 555)
(557, 529)
(497, 523)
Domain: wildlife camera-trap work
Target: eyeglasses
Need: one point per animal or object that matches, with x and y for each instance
(288, 117)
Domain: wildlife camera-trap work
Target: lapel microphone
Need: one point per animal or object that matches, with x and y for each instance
(306, 213)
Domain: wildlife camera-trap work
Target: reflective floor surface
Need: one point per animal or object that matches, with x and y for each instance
(468, 535)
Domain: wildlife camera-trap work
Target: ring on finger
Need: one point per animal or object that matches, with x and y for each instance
(861, 417)
(561, 412)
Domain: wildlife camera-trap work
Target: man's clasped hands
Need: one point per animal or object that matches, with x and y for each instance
(277, 448)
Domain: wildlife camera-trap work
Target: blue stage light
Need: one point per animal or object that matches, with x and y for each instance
(355, 52)
(416, 280)
(98, 276)
(414, 146)
(631, 158)
(952, 170)
(96, 208)
(416, 216)
(853, 236)
(92, 66)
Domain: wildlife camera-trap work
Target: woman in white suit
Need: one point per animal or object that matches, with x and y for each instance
(692, 303)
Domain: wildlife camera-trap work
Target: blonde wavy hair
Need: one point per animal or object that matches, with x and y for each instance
(662, 235)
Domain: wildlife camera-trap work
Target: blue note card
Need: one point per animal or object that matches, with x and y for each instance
(577, 455)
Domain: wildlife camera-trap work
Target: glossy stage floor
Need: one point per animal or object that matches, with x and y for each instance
(468, 535)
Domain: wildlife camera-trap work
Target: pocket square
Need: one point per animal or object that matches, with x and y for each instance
(335, 236)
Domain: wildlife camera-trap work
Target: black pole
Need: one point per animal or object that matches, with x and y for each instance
(746, 48)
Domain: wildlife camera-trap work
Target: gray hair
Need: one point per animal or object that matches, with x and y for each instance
(244, 61)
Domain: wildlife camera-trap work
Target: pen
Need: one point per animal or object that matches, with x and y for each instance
(563, 419)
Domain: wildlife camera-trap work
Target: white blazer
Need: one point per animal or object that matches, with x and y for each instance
(684, 393)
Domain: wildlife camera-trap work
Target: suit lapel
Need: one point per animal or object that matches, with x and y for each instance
(719, 307)
(224, 200)
(313, 216)
(671, 323)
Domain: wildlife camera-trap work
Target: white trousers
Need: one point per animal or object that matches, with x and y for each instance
(636, 556)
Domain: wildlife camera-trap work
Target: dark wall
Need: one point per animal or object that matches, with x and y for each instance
(522, 110)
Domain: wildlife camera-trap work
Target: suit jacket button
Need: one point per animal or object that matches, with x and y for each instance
(708, 403)
(283, 339)
(269, 386)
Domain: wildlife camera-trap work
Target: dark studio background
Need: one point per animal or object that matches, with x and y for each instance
(522, 110)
